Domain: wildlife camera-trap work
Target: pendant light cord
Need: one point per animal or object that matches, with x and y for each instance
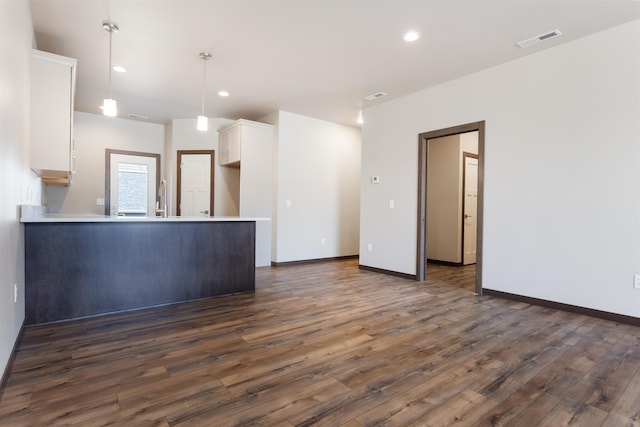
(204, 75)
(205, 56)
(110, 42)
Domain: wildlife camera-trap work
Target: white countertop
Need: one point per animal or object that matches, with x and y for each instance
(34, 215)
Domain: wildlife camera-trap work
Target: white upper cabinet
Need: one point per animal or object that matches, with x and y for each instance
(52, 96)
(231, 145)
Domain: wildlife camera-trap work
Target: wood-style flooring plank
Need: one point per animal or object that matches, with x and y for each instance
(328, 344)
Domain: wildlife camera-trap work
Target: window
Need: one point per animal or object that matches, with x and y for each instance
(131, 183)
(133, 194)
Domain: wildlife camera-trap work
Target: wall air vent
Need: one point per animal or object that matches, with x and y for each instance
(375, 96)
(539, 38)
(137, 116)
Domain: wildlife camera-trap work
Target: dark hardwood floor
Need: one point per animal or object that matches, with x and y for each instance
(463, 277)
(328, 344)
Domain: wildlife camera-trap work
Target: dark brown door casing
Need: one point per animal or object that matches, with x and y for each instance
(179, 179)
(423, 153)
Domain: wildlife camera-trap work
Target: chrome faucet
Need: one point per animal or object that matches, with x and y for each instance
(162, 192)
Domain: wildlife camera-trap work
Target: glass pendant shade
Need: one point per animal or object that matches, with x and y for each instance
(109, 107)
(203, 123)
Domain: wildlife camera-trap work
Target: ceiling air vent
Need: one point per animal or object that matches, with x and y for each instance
(375, 96)
(539, 38)
(137, 116)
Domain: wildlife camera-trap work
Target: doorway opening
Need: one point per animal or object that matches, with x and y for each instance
(423, 201)
(195, 183)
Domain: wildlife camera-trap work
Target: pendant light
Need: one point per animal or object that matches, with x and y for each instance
(109, 107)
(203, 121)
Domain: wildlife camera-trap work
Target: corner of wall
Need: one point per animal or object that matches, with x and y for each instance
(21, 186)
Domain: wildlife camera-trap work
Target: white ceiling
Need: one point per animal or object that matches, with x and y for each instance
(318, 58)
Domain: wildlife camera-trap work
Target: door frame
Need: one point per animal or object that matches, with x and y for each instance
(107, 173)
(423, 157)
(466, 154)
(179, 177)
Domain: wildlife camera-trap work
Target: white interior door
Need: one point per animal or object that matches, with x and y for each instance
(195, 185)
(133, 185)
(470, 209)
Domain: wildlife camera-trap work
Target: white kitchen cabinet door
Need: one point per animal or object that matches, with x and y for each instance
(52, 96)
(230, 145)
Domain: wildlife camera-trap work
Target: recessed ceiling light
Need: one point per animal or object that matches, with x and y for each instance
(119, 69)
(375, 96)
(223, 93)
(411, 36)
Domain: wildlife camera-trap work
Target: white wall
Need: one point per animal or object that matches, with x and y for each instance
(256, 169)
(318, 171)
(183, 135)
(273, 119)
(18, 185)
(562, 195)
(256, 183)
(93, 134)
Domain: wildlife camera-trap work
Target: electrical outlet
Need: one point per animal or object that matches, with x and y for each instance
(323, 241)
(15, 293)
(636, 281)
(392, 204)
(370, 247)
(100, 201)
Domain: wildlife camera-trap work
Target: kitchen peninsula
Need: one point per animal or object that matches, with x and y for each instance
(79, 266)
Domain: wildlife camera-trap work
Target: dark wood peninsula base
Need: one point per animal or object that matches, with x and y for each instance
(88, 268)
